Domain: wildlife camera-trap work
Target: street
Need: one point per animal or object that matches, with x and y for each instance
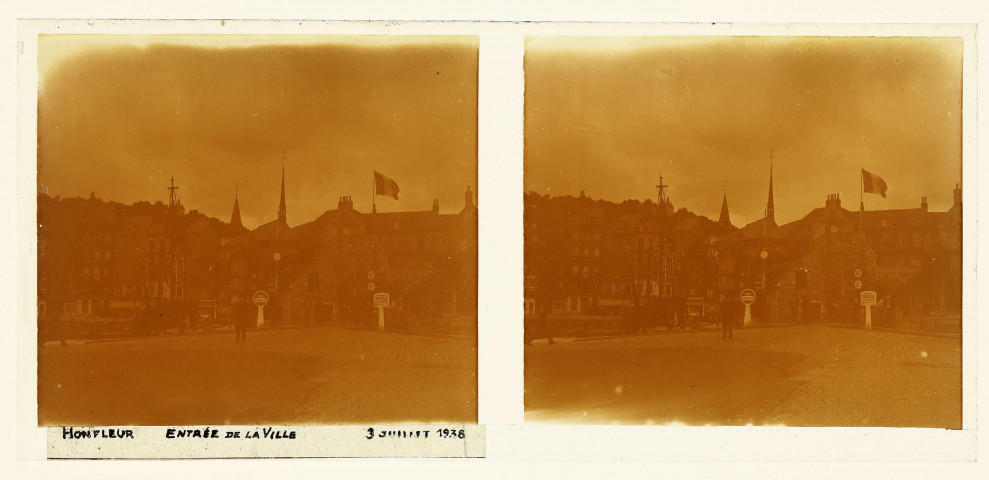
(806, 375)
(314, 375)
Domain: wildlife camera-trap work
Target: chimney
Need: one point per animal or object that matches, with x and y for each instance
(958, 196)
(834, 200)
(345, 203)
(468, 198)
(436, 205)
(923, 203)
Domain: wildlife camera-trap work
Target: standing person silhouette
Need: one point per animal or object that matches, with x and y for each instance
(727, 318)
(546, 327)
(242, 313)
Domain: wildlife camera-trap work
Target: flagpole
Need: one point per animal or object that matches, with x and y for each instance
(374, 207)
(861, 196)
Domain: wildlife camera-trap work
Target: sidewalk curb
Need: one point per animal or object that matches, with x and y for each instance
(197, 334)
(908, 332)
(412, 332)
(698, 330)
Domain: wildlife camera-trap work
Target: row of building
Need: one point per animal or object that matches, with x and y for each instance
(105, 266)
(589, 261)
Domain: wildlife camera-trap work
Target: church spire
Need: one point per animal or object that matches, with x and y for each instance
(770, 208)
(725, 219)
(281, 203)
(235, 216)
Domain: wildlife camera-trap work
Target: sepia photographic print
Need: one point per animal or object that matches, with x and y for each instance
(252, 230)
(743, 231)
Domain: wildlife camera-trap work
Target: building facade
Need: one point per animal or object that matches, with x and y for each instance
(106, 268)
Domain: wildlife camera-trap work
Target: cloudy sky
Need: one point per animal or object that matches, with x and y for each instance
(118, 115)
(607, 115)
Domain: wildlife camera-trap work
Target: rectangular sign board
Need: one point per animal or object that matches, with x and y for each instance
(381, 300)
(868, 298)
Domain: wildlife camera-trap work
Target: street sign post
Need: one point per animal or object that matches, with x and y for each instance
(381, 301)
(260, 299)
(868, 299)
(748, 298)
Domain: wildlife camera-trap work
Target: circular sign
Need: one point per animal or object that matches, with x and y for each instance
(370, 286)
(747, 296)
(763, 254)
(858, 273)
(260, 298)
(858, 284)
(277, 256)
(370, 274)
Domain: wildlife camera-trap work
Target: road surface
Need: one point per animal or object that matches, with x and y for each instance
(315, 375)
(806, 375)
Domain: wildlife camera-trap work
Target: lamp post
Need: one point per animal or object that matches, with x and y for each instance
(276, 257)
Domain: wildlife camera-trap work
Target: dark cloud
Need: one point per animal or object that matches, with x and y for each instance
(608, 116)
(119, 120)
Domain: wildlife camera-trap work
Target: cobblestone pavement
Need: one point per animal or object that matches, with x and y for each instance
(820, 374)
(316, 375)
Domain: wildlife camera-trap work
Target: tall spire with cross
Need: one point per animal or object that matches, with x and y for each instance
(281, 203)
(724, 219)
(770, 207)
(665, 205)
(173, 197)
(235, 216)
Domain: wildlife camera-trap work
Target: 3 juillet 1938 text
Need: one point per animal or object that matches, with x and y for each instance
(438, 433)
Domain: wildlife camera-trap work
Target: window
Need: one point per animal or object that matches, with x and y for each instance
(901, 240)
(558, 306)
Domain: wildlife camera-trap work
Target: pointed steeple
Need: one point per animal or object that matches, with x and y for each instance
(281, 203)
(770, 208)
(724, 219)
(235, 216)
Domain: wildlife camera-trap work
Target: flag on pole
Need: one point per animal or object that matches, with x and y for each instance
(871, 183)
(385, 186)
